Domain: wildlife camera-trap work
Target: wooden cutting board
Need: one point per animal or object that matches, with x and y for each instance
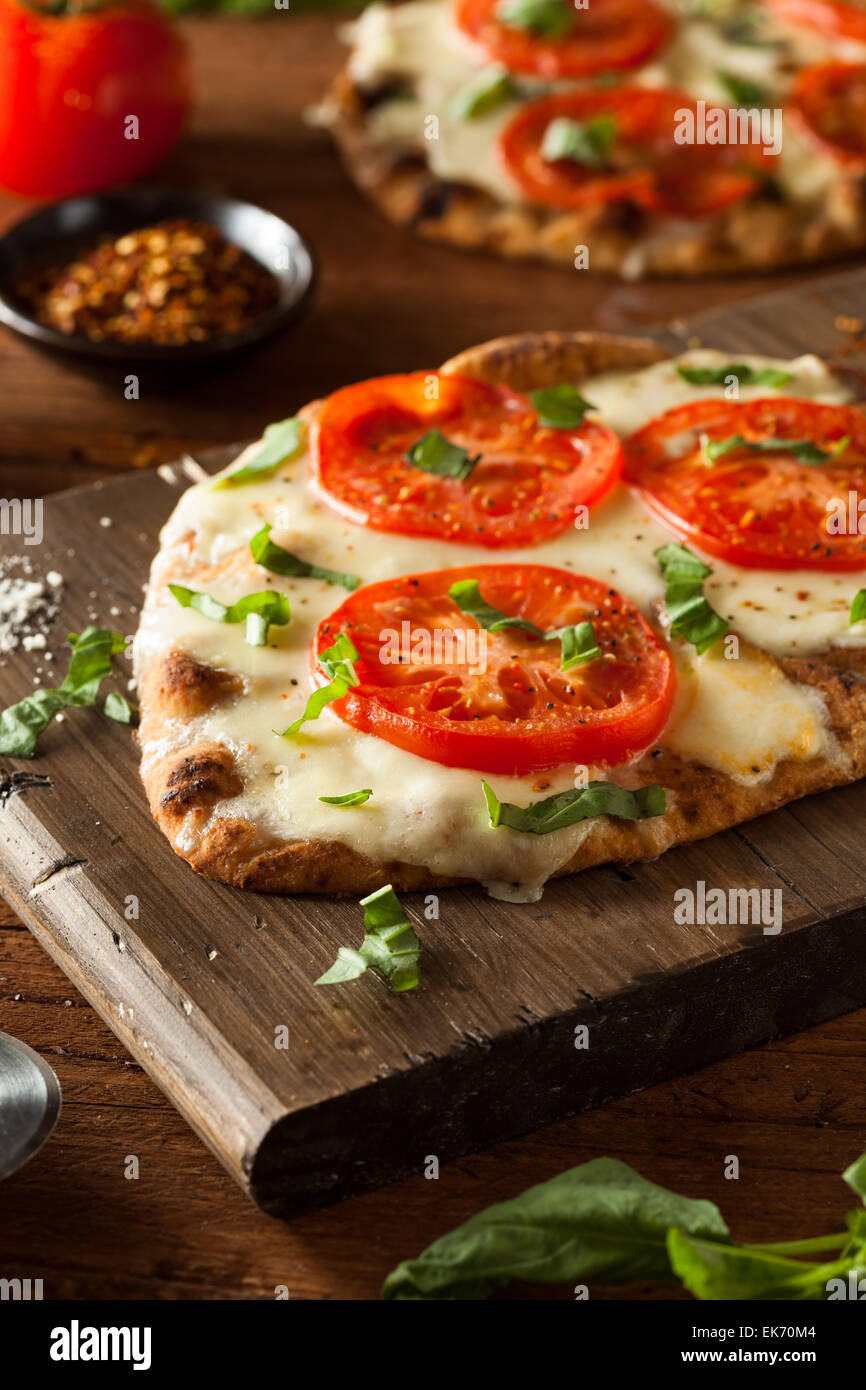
(200, 981)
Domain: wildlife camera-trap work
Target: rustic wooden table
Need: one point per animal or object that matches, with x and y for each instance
(794, 1111)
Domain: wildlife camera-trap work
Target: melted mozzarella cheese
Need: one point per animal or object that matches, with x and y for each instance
(418, 41)
(741, 716)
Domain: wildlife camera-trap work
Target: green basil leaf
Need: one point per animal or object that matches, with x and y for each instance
(390, 946)
(433, 453)
(580, 803)
(578, 642)
(280, 442)
(587, 142)
(489, 90)
(273, 557)
(600, 1221)
(117, 707)
(690, 614)
(741, 90)
(349, 798)
(711, 1269)
(466, 593)
(337, 663)
(544, 17)
(746, 375)
(258, 611)
(804, 450)
(578, 645)
(90, 663)
(560, 407)
(858, 607)
(855, 1177)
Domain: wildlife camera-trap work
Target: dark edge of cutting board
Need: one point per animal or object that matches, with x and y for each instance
(373, 1083)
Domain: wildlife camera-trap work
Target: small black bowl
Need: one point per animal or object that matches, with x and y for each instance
(55, 233)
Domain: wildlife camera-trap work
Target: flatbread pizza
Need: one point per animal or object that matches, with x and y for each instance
(563, 601)
(642, 137)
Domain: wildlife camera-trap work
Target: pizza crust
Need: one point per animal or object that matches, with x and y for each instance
(758, 234)
(185, 786)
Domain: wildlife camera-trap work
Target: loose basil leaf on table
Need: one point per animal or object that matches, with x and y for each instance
(390, 946)
(599, 1221)
(89, 665)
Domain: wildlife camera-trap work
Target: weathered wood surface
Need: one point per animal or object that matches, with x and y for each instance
(370, 1084)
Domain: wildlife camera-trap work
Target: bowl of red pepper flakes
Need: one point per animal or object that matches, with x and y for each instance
(154, 276)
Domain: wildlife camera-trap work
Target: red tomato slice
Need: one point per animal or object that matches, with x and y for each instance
(644, 164)
(830, 101)
(767, 510)
(524, 489)
(828, 16)
(604, 36)
(521, 714)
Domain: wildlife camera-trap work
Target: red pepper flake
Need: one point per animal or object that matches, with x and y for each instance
(173, 283)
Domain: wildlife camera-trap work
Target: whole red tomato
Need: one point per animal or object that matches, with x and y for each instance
(90, 94)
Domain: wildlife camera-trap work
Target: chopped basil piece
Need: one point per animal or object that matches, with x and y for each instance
(578, 645)
(272, 557)
(746, 375)
(435, 454)
(804, 450)
(548, 18)
(118, 707)
(560, 407)
(690, 614)
(390, 946)
(578, 642)
(349, 798)
(741, 90)
(336, 663)
(587, 142)
(258, 611)
(858, 607)
(90, 663)
(280, 442)
(484, 94)
(581, 803)
(466, 593)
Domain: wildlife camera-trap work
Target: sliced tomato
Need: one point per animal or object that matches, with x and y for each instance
(523, 490)
(830, 100)
(644, 165)
(604, 36)
(827, 16)
(761, 509)
(521, 713)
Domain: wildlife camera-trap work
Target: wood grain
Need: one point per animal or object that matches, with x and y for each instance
(198, 983)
